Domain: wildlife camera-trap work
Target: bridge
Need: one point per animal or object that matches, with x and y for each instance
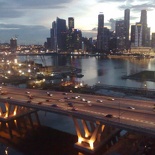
(96, 117)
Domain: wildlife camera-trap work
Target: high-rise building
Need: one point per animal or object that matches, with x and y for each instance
(100, 33)
(153, 41)
(58, 35)
(143, 21)
(106, 39)
(126, 27)
(53, 36)
(120, 35)
(61, 33)
(112, 24)
(71, 23)
(13, 44)
(148, 37)
(133, 27)
(138, 35)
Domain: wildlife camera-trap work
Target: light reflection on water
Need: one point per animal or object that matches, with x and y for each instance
(95, 69)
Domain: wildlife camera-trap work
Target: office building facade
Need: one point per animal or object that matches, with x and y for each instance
(120, 35)
(126, 28)
(138, 35)
(13, 44)
(100, 32)
(71, 23)
(143, 21)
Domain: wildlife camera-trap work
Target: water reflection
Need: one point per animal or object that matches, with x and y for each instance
(94, 69)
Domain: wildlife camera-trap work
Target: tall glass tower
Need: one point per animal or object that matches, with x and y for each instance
(71, 23)
(126, 27)
(100, 31)
(143, 21)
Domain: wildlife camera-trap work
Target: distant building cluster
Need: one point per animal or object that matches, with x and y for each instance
(118, 38)
(63, 38)
(122, 37)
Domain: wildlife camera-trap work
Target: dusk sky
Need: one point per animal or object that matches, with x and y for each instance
(30, 20)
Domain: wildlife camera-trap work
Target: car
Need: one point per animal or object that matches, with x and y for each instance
(67, 98)
(9, 97)
(70, 104)
(88, 101)
(75, 97)
(39, 102)
(30, 97)
(111, 99)
(65, 93)
(29, 101)
(109, 115)
(131, 108)
(98, 100)
(74, 109)
(54, 105)
(89, 104)
(27, 92)
(61, 100)
(83, 99)
(4, 92)
(47, 100)
(50, 95)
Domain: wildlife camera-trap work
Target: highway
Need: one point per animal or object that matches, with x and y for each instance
(129, 114)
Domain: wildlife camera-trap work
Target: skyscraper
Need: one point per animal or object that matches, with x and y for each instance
(100, 33)
(61, 33)
(143, 21)
(13, 44)
(126, 27)
(120, 35)
(153, 40)
(71, 23)
(133, 27)
(138, 35)
(58, 35)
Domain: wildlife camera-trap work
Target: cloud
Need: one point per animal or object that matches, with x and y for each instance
(19, 8)
(114, 1)
(138, 5)
(34, 4)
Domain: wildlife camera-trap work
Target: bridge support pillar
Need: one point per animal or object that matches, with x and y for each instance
(92, 135)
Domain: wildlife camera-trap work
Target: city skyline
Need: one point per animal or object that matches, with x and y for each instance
(31, 21)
